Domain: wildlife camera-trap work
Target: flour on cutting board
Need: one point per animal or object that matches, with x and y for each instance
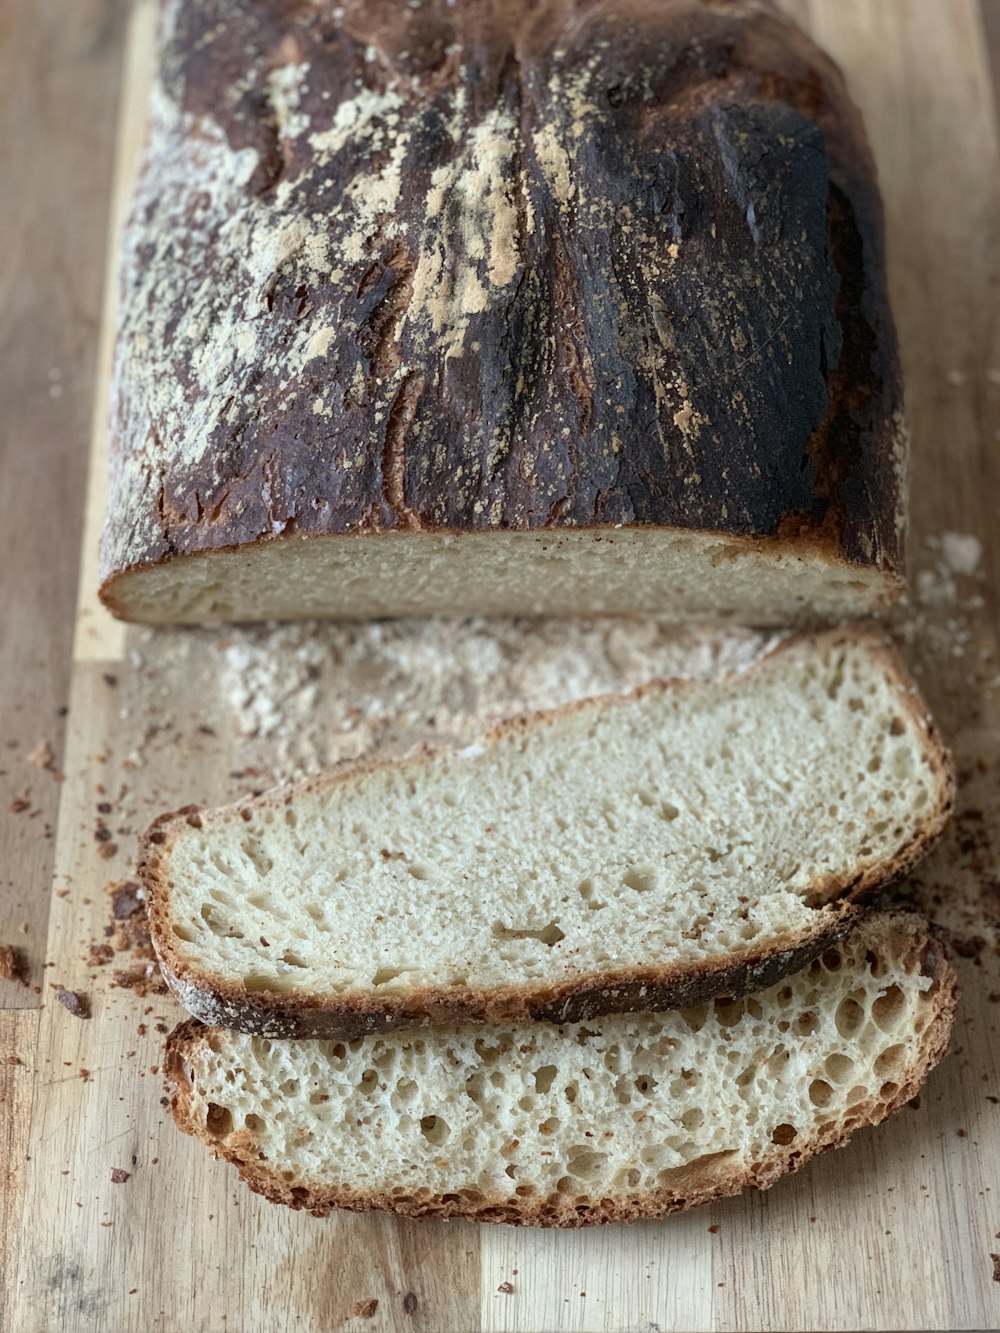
(318, 693)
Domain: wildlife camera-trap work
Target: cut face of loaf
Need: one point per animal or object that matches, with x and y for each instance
(550, 309)
(632, 852)
(622, 1118)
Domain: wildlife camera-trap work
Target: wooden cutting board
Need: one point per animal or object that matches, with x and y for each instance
(895, 1232)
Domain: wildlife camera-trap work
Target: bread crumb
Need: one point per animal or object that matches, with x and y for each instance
(366, 1309)
(73, 1002)
(996, 1267)
(44, 757)
(507, 1288)
(119, 1176)
(12, 965)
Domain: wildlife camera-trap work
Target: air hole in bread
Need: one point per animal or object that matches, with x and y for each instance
(850, 1017)
(838, 1068)
(584, 1162)
(253, 1122)
(384, 975)
(434, 1129)
(218, 1121)
(544, 1077)
(646, 1084)
(368, 1083)
(820, 1092)
(255, 982)
(669, 812)
(548, 935)
(255, 854)
(641, 878)
(404, 1091)
(891, 1061)
(889, 1008)
(783, 1135)
(489, 1054)
(728, 1011)
(696, 1019)
(806, 1024)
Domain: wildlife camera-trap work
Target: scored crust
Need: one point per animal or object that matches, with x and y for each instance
(354, 1013)
(708, 1180)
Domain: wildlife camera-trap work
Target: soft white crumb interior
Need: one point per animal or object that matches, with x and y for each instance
(675, 827)
(676, 575)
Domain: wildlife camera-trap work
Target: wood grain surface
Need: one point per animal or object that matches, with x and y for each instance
(895, 1232)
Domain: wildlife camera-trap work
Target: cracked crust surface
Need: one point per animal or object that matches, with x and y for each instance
(298, 1013)
(491, 268)
(904, 936)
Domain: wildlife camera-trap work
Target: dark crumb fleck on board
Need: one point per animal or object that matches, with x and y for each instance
(996, 1267)
(11, 964)
(366, 1309)
(410, 1303)
(125, 899)
(714, 1228)
(72, 1002)
(118, 1176)
(507, 1288)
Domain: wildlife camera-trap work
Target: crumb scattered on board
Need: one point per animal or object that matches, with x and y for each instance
(12, 964)
(73, 1002)
(366, 1309)
(44, 757)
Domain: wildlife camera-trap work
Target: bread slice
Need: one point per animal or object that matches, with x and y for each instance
(632, 1116)
(632, 852)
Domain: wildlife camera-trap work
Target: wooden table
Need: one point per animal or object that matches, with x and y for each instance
(896, 1232)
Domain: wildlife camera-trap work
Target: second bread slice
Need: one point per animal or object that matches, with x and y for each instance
(636, 852)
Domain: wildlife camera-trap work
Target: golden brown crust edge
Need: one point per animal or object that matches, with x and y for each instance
(294, 1015)
(714, 1183)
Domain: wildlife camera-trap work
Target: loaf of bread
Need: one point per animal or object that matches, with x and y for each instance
(622, 1118)
(630, 852)
(502, 307)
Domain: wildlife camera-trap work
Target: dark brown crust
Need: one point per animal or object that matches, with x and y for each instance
(576, 999)
(911, 932)
(718, 130)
